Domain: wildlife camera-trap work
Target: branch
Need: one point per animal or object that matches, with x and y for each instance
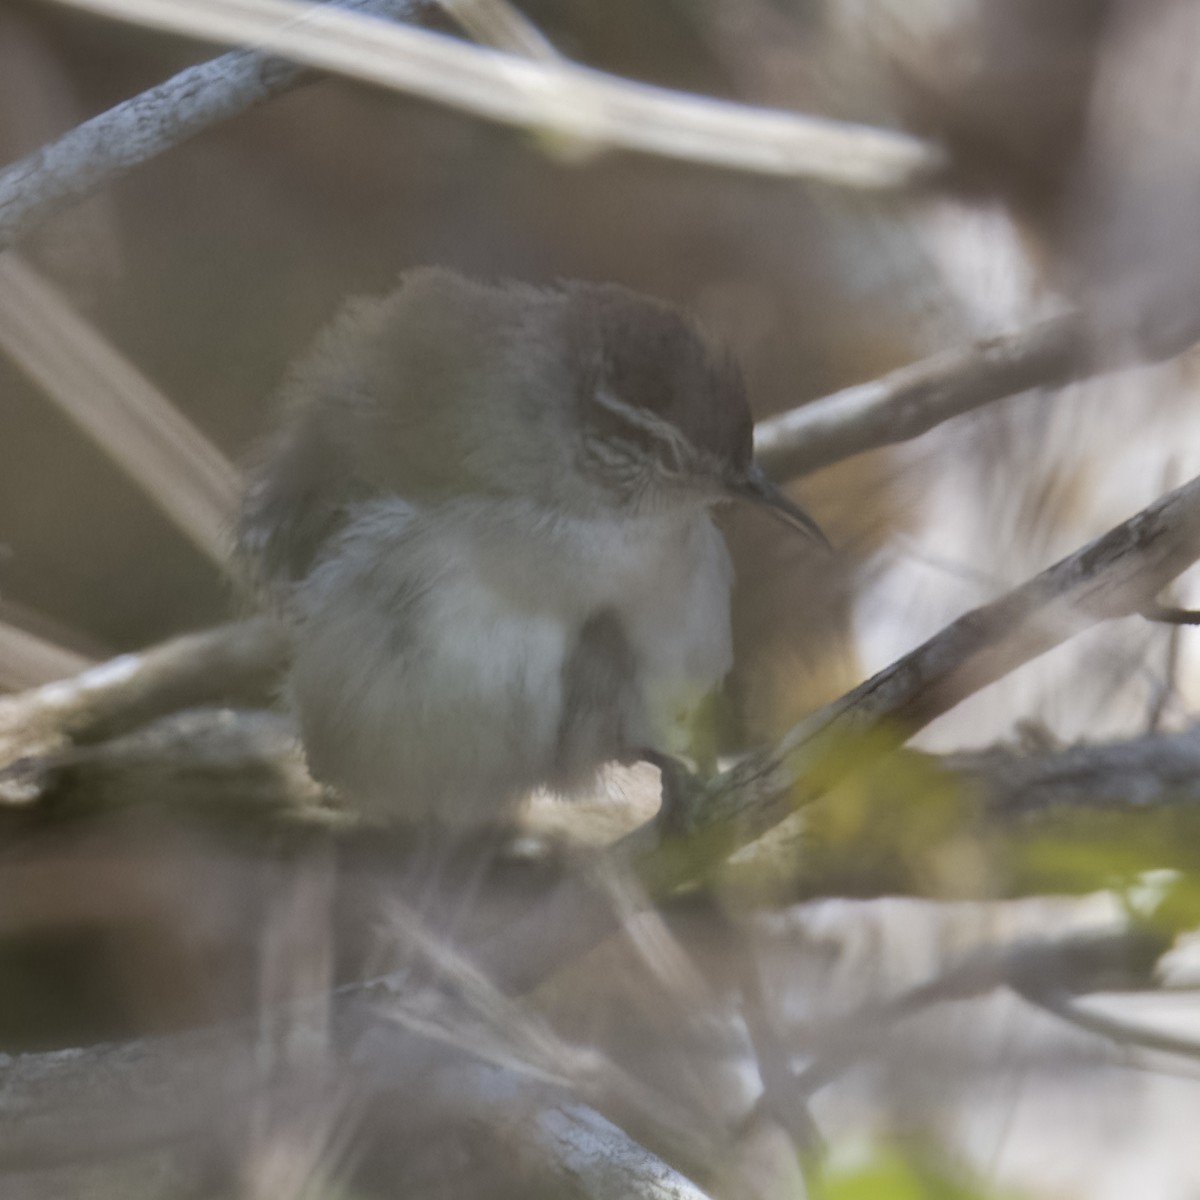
(73, 1105)
(101, 150)
(1063, 967)
(235, 765)
(101, 1101)
(582, 1152)
(1111, 577)
(96, 1103)
(1066, 1006)
(916, 398)
(199, 668)
(554, 97)
(1140, 774)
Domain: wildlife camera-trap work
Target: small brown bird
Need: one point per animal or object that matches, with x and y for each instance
(487, 518)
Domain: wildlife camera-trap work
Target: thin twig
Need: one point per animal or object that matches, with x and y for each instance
(914, 399)
(1139, 774)
(554, 97)
(1065, 1005)
(1046, 972)
(468, 1012)
(1080, 962)
(96, 1102)
(1110, 577)
(102, 149)
(199, 668)
(228, 762)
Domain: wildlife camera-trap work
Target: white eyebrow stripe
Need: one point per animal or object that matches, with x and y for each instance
(682, 451)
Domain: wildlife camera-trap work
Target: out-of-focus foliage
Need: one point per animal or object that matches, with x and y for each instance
(895, 1172)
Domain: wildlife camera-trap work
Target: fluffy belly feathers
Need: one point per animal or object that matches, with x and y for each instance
(433, 651)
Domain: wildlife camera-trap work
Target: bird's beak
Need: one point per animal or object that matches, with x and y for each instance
(758, 489)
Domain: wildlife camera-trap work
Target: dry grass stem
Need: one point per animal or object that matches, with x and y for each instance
(549, 96)
(116, 406)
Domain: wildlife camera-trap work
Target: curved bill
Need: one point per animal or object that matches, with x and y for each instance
(758, 489)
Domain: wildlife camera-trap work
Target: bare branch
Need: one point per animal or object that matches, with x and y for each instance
(72, 1105)
(584, 1153)
(231, 660)
(185, 475)
(1111, 577)
(1063, 966)
(1141, 773)
(551, 96)
(76, 1105)
(238, 765)
(102, 149)
(100, 1101)
(468, 1012)
(914, 399)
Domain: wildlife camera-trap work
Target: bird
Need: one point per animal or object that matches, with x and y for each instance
(486, 519)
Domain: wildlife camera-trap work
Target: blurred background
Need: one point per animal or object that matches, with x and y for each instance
(1074, 181)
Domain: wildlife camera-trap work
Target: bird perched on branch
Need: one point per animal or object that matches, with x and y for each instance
(487, 519)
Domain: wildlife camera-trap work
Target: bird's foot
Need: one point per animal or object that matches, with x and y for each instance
(682, 792)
